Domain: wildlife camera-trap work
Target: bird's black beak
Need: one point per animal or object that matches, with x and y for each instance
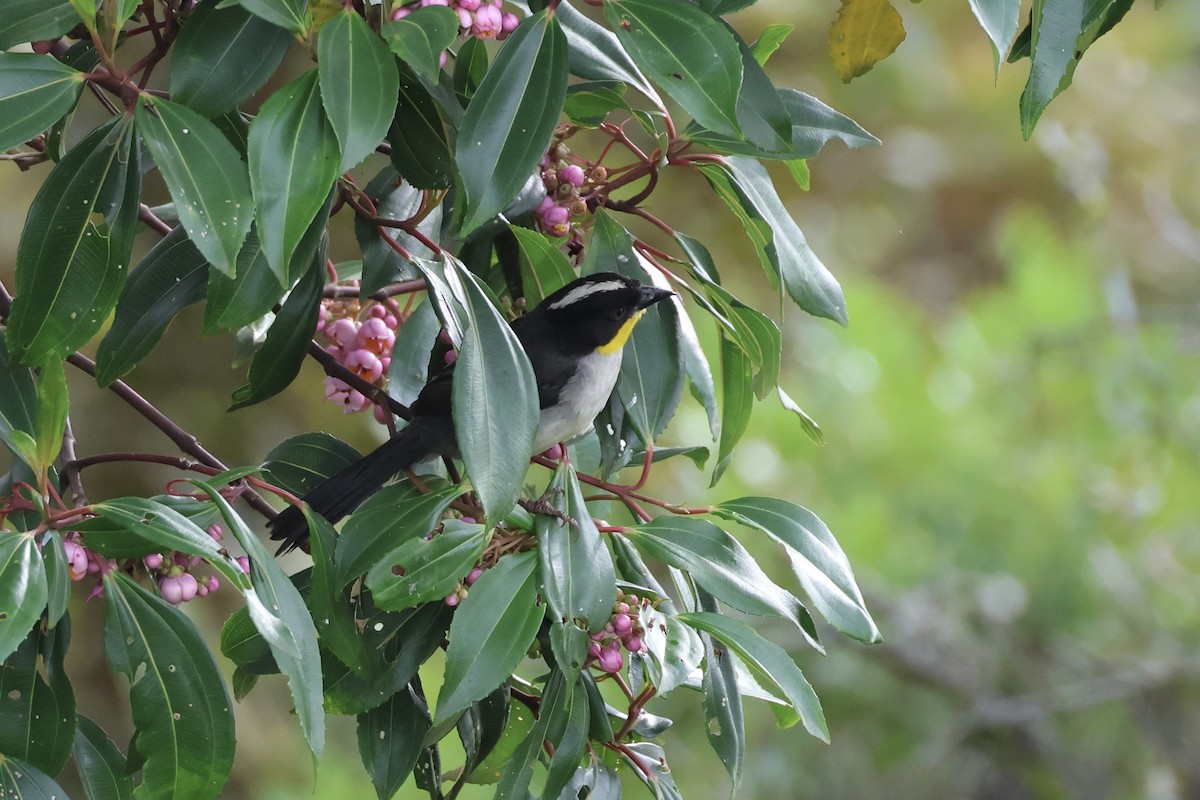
(651, 295)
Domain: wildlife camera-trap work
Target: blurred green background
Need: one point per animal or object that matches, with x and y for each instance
(1012, 426)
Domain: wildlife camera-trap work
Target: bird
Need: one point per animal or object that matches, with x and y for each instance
(574, 339)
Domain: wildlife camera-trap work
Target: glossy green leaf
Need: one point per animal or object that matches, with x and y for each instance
(399, 200)
(719, 564)
(171, 277)
(359, 84)
(588, 104)
(53, 405)
(746, 188)
(334, 612)
(279, 613)
(569, 740)
(76, 244)
(131, 527)
(86, 9)
(544, 267)
(576, 570)
(760, 111)
(390, 739)
(807, 424)
(691, 56)
(181, 707)
(205, 175)
(596, 53)
(769, 41)
(420, 38)
(816, 558)
(652, 368)
(423, 570)
(294, 158)
(517, 774)
(470, 65)
(999, 20)
(18, 398)
(492, 629)
(725, 725)
(223, 56)
(35, 92)
(737, 402)
(1057, 25)
(420, 149)
(409, 367)
(813, 124)
(278, 361)
(35, 21)
(493, 372)
(388, 519)
(23, 589)
(37, 714)
(700, 376)
(290, 15)
(302, 462)
(58, 577)
(511, 118)
(24, 781)
(242, 644)
(768, 661)
(481, 728)
(100, 763)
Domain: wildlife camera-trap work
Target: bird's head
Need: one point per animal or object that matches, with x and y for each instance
(597, 312)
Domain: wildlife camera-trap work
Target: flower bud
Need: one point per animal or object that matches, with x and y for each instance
(634, 644)
(153, 561)
(244, 563)
(622, 624)
(611, 660)
(473, 576)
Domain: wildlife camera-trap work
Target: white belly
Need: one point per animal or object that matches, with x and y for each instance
(584, 396)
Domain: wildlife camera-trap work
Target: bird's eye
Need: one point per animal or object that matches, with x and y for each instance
(616, 314)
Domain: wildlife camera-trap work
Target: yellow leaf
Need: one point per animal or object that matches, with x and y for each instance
(322, 11)
(866, 31)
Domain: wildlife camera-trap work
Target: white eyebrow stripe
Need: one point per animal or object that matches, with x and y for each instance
(587, 290)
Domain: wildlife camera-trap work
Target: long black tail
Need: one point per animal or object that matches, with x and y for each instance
(341, 493)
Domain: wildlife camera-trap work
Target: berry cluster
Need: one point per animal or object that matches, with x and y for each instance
(173, 572)
(623, 629)
(363, 346)
(563, 182)
(482, 19)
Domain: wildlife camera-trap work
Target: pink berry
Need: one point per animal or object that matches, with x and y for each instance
(187, 586)
(153, 561)
(572, 174)
(377, 311)
(244, 563)
(450, 357)
(622, 624)
(213, 583)
(214, 531)
(594, 650)
(634, 644)
(468, 5)
(451, 600)
(171, 590)
(622, 608)
(554, 453)
(611, 660)
(473, 576)
(391, 321)
(469, 520)
(508, 24)
(401, 13)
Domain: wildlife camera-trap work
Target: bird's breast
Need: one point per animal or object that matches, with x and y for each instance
(582, 397)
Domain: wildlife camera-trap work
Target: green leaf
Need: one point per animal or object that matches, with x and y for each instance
(596, 53)
(699, 372)
(37, 716)
(424, 570)
(333, 610)
(279, 613)
(1056, 26)
(86, 9)
(569, 741)
(390, 739)
(302, 462)
(293, 163)
(816, 558)
(18, 398)
(736, 402)
(24, 781)
(420, 38)
(769, 41)
(35, 92)
(492, 372)
(23, 589)
(719, 564)
(652, 368)
(725, 726)
(999, 20)
(588, 104)
(544, 267)
(809, 425)
(687, 53)
(100, 763)
(470, 65)
(746, 188)
(131, 527)
(420, 150)
(511, 118)
(359, 84)
(382, 264)
(35, 21)
(291, 15)
(242, 644)
(409, 368)
(492, 629)
(760, 111)
(58, 577)
(171, 277)
(181, 708)
(53, 405)
(76, 245)
(389, 518)
(768, 661)
(517, 774)
(278, 361)
(223, 56)
(205, 175)
(576, 570)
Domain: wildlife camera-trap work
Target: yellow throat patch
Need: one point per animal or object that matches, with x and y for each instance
(622, 336)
